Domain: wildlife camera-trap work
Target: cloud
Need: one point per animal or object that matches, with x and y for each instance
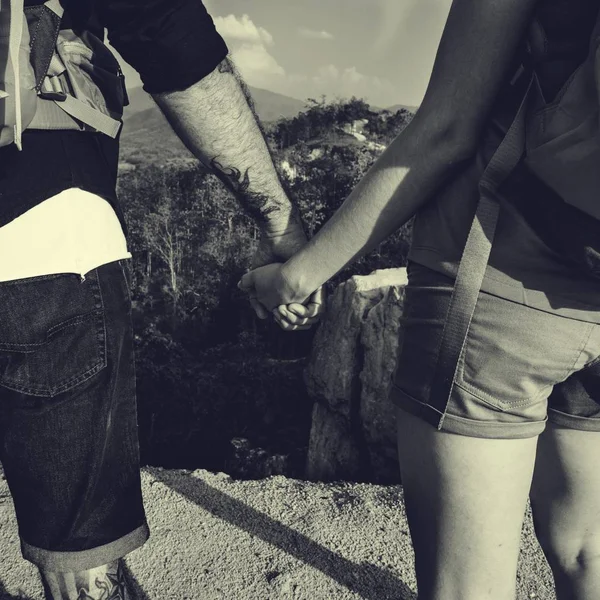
(254, 62)
(242, 30)
(315, 35)
(249, 45)
(252, 49)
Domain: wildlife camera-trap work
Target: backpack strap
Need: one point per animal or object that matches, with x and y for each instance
(58, 106)
(14, 48)
(472, 267)
(55, 88)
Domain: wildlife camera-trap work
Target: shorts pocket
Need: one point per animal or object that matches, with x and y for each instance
(515, 354)
(52, 333)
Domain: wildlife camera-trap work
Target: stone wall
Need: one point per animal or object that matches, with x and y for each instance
(349, 377)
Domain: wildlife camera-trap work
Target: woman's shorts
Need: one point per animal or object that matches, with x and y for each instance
(519, 366)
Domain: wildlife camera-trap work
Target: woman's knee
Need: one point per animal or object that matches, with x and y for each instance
(572, 556)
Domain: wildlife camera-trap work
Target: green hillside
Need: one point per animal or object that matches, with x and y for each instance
(148, 138)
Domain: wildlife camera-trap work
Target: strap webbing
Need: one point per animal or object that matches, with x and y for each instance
(55, 6)
(471, 270)
(69, 104)
(14, 49)
(90, 116)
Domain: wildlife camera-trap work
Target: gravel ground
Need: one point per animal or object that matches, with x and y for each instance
(274, 539)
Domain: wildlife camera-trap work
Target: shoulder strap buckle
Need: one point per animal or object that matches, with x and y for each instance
(52, 89)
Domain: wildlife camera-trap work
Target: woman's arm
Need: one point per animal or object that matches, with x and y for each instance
(476, 49)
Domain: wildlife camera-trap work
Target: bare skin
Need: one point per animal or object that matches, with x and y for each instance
(566, 510)
(102, 583)
(215, 119)
(465, 503)
(441, 137)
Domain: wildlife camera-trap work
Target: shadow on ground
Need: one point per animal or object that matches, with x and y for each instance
(365, 579)
(134, 586)
(4, 595)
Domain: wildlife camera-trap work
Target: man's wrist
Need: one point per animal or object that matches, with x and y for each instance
(281, 219)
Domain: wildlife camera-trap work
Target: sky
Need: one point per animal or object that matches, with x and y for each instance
(379, 50)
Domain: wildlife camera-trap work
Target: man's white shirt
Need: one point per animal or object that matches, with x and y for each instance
(72, 232)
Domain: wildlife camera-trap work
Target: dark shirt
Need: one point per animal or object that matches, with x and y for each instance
(545, 254)
(171, 43)
(571, 233)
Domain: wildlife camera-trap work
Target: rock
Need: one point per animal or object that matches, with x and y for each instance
(333, 451)
(349, 377)
(248, 462)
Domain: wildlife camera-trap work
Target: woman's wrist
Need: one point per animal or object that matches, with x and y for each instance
(295, 285)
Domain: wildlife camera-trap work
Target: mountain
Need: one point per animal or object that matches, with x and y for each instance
(397, 107)
(147, 136)
(271, 106)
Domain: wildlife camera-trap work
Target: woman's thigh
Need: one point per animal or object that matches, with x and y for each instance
(465, 501)
(467, 460)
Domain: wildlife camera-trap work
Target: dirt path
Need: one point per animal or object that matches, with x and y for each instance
(276, 539)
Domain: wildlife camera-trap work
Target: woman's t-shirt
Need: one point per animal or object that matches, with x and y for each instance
(545, 253)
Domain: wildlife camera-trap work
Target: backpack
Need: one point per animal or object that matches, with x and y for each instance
(562, 138)
(559, 143)
(53, 78)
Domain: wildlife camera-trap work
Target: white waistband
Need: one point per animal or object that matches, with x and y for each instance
(72, 232)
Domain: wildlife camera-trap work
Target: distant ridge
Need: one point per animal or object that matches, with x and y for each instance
(397, 107)
(270, 106)
(147, 136)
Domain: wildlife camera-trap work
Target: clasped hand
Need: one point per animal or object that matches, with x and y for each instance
(267, 292)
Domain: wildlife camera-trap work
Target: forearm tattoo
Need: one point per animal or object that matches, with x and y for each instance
(259, 206)
(103, 583)
(232, 144)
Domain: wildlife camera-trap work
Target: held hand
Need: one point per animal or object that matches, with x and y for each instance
(280, 240)
(265, 289)
(269, 292)
(298, 317)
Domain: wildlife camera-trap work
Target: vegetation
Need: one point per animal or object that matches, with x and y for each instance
(217, 388)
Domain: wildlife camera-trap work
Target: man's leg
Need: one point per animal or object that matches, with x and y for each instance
(465, 502)
(107, 582)
(68, 425)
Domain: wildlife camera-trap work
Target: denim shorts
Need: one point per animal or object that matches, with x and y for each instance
(519, 367)
(68, 423)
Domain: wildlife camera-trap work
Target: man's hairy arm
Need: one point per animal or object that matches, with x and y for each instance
(182, 60)
(216, 121)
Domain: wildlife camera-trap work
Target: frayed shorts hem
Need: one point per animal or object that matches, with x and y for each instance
(48, 560)
(465, 427)
(561, 419)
